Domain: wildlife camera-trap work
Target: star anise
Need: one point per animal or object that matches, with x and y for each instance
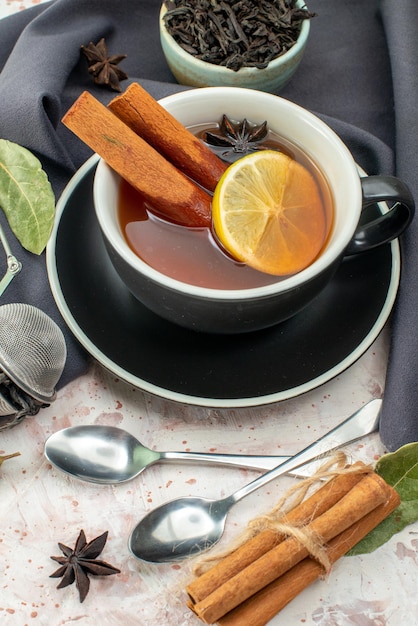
(104, 68)
(240, 137)
(78, 563)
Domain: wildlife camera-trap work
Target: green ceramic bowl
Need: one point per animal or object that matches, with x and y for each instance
(188, 70)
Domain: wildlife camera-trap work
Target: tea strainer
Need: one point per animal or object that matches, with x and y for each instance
(32, 354)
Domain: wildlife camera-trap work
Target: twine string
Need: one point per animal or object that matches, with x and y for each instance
(276, 519)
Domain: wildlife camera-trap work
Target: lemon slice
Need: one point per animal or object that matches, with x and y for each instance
(268, 212)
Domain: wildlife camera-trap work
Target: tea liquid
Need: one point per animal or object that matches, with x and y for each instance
(192, 255)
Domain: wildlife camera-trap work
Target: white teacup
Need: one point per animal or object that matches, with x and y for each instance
(243, 310)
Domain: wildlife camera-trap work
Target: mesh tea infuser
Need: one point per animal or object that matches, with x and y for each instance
(32, 354)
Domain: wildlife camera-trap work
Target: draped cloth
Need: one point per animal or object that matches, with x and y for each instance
(359, 74)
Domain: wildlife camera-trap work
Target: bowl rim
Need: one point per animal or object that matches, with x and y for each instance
(243, 71)
(112, 232)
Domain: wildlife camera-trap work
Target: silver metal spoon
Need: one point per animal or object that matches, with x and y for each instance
(108, 455)
(188, 526)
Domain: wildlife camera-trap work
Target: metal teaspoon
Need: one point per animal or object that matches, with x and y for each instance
(188, 526)
(108, 455)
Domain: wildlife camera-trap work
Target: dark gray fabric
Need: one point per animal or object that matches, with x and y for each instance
(399, 422)
(359, 73)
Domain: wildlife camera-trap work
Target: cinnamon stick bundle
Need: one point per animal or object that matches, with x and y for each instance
(308, 510)
(264, 605)
(138, 109)
(363, 505)
(162, 185)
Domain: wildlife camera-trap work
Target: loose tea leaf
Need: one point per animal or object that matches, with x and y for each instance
(399, 469)
(26, 196)
(8, 456)
(235, 33)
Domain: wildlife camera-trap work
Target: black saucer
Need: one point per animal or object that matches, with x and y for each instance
(211, 370)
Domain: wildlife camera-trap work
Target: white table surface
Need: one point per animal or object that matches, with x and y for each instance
(40, 506)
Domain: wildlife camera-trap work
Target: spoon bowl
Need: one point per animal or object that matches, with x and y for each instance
(99, 454)
(188, 526)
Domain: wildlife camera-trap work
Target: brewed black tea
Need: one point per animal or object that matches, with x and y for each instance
(192, 255)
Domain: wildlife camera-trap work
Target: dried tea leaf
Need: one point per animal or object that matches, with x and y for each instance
(399, 469)
(26, 196)
(249, 33)
(8, 456)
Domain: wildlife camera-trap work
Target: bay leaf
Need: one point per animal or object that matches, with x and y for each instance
(26, 196)
(399, 469)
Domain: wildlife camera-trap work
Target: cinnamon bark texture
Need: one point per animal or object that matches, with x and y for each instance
(162, 185)
(138, 109)
(264, 605)
(319, 502)
(262, 588)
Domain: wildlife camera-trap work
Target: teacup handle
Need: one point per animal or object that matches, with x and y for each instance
(389, 225)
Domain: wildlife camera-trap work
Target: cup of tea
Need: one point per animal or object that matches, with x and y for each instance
(183, 275)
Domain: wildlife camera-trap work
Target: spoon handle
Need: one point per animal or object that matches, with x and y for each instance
(249, 461)
(361, 423)
(246, 461)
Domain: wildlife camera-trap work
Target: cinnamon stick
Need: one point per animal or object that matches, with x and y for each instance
(162, 185)
(319, 502)
(264, 605)
(369, 493)
(138, 109)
